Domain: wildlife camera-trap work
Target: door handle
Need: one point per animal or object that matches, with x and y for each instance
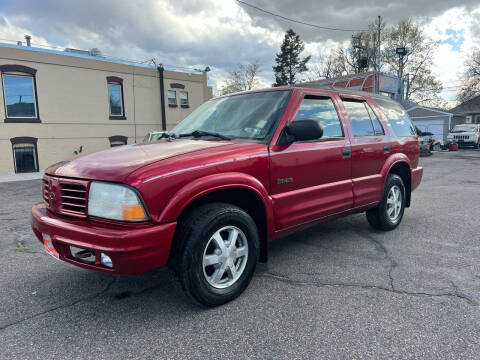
(386, 149)
(346, 153)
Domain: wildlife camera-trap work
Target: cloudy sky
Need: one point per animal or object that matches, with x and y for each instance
(223, 33)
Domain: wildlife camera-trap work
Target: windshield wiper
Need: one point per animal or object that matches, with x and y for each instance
(200, 133)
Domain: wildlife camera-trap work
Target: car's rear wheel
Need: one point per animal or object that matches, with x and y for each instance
(219, 253)
(388, 214)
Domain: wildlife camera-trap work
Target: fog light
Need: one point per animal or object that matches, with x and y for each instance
(105, 260)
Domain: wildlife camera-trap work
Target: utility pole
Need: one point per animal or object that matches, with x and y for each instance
(379, 33)
(401, 52)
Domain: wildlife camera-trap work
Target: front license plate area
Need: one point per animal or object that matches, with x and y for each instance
(47, 242)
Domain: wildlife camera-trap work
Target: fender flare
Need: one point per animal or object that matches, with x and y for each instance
(391, 161)
(205, 185)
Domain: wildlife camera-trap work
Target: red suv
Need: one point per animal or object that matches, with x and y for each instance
(238, 172)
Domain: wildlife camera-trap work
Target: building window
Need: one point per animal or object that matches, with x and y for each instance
(25, 157)
(172, 98)
(184, 99)
(115, 96)
(118, 140)
(19, 93)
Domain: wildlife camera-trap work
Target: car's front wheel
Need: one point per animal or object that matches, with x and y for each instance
(219, 253)
(388, 214)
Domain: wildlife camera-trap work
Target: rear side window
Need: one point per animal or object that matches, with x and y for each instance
(322, 110)
(359, 118)
(376, 123)
(397, 117)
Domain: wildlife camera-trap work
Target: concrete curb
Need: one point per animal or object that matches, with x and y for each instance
(12, 177)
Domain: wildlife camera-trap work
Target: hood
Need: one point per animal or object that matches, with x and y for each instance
(117, 163)
(463, 133)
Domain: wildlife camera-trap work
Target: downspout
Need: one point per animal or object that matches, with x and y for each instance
(162, 97)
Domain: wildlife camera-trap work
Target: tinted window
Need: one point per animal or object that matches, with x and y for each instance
(24, 156)
(376, 123)
(397, 117)
(359, 118)
(115, 95)
(322, 110)
(19, 96)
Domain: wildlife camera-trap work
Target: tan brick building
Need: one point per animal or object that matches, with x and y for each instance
(55, 105)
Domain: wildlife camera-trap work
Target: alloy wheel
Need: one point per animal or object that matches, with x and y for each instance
(225, 257)
(394, 203)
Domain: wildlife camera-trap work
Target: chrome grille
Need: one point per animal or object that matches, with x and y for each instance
(66, 196)
(73, 197)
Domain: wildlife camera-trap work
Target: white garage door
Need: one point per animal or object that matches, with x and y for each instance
(433, 126)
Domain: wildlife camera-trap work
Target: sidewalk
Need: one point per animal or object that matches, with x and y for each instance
(9, 176)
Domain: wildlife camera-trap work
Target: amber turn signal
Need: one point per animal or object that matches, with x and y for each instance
(133, 212)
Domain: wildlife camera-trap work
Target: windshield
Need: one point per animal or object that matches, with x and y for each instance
(464, 128)
(246, 116)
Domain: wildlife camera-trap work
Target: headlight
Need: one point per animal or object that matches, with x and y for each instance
(115, 201)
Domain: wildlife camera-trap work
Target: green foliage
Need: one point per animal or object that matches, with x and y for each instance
(289, 64)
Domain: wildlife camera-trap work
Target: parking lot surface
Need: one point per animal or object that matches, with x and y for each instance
(339, 290)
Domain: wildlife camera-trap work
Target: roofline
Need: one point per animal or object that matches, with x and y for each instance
(430, 109)
(111, 60)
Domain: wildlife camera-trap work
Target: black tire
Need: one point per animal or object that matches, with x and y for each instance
(477, 145)
(195, 233)
(378, 217)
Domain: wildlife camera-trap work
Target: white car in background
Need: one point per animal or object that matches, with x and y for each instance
(465, 135)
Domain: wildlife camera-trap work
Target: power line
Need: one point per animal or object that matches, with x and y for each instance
(296, 21)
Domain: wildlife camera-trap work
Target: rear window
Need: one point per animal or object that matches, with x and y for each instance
(397, 117)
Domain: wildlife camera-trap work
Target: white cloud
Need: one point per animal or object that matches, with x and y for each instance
(222, 34)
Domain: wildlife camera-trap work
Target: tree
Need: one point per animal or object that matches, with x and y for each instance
(243, 78)
(289, 64)
(329, 66)
(422, 86)
(471, 83)
(415, 68)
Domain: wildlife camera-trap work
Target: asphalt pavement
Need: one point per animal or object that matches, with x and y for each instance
(339, 290)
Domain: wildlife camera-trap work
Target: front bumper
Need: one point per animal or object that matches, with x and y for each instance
(417, 174)
(133, 250)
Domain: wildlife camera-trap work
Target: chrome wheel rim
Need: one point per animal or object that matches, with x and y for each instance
(225, 257)
(394, 203)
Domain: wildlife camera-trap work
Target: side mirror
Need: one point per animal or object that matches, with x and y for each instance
(302, 130)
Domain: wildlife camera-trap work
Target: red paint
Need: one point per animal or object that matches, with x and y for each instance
(170, 174)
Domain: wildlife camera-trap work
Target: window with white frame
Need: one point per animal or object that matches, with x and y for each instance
(115, 97)
(184, 98)
(172, 98)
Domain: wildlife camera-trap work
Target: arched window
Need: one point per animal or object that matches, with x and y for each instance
(115, 96)
(25, 156)
(19, 94)
(117, 140)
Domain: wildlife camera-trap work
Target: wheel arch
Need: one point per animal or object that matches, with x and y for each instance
(399, 164)
(237, 189)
